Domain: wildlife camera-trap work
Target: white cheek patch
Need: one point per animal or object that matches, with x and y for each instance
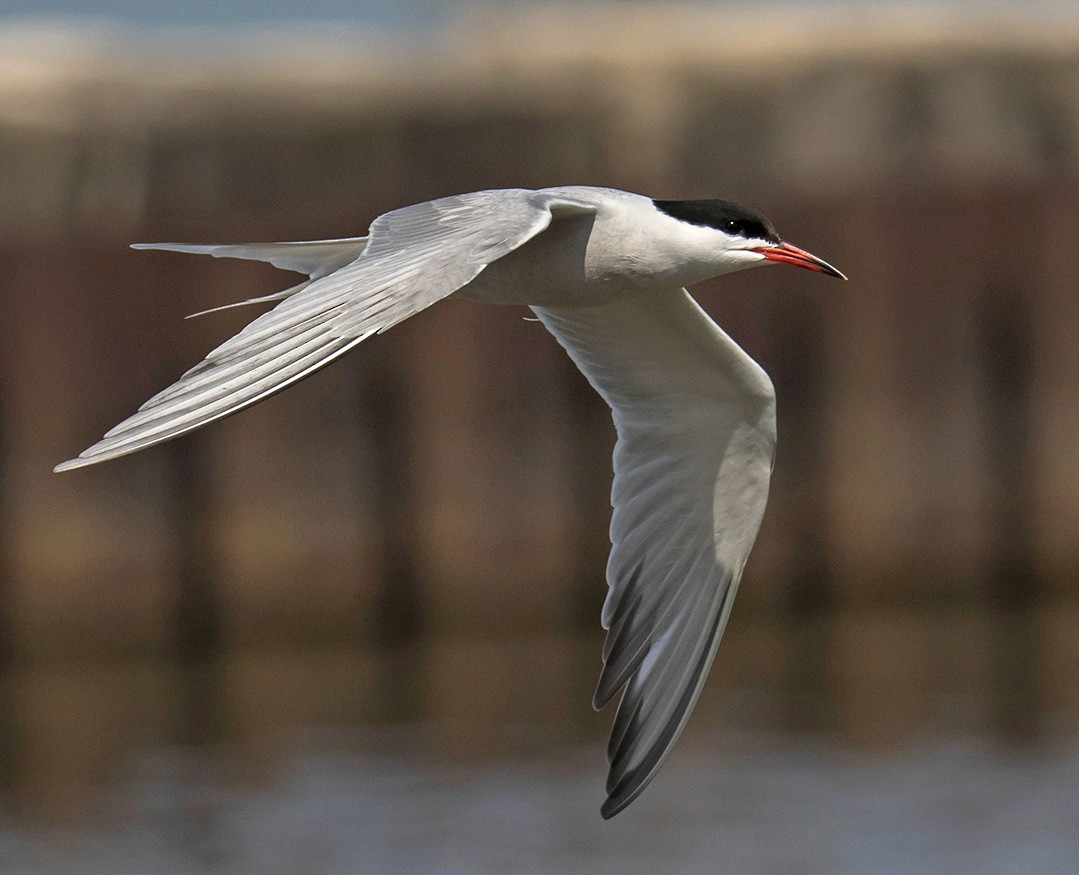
(746, 257)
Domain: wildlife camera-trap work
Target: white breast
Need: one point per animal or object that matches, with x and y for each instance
(626, 247)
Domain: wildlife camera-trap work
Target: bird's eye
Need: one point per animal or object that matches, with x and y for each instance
(733, 226)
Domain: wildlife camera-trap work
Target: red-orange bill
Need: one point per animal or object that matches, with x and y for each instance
(788, 253)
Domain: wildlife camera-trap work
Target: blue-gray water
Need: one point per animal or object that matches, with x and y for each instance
(766, 804)
(484, 756)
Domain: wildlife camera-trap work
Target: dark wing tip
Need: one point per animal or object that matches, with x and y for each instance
(626, 779)
(627, 790)
(612, 806)
(625, 785)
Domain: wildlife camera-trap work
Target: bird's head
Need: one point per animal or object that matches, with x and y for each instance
(745, 238)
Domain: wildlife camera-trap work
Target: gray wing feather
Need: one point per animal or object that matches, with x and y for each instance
(695, 418)
(413, 257)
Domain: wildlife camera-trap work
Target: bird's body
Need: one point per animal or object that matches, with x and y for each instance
(604, 270)
(624, 247)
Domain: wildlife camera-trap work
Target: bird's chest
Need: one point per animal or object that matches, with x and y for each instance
(578, 262)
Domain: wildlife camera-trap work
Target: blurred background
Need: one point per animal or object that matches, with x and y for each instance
(356, 628)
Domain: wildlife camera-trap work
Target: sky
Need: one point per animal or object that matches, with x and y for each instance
(402, 16)
(394, 14)
(409, 14)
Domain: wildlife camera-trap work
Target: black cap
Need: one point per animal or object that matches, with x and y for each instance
(725, 216)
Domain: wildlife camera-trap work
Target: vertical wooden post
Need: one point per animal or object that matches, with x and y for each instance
(197, 610)
(386, 408)
(10, 740)
(807, 597)
(7, 626)
(382, 409)
(1012, 586)
(196, 666)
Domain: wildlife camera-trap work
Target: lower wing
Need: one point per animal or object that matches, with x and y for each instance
(695, 418)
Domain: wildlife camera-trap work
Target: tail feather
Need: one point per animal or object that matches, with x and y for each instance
(263, 299)
(316, 258)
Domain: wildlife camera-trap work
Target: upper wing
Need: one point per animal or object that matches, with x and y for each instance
(695, 418)
(414, 256)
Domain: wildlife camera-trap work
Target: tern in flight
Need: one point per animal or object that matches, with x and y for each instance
(605, 271)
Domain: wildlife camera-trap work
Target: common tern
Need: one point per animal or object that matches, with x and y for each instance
(605, 271)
